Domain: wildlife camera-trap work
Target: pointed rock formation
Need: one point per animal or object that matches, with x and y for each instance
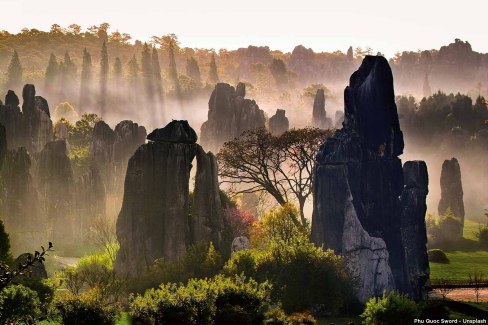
(155, 220)
(452, 191)
(13, 120)
(101, 147)
(56, 187)
(319, 117)
(3, 144)
(207, 215)
(21, 201)
(360, 196)
(38, 118)
(229, 114)
(90, 198)
(279, 123)
(128, 137)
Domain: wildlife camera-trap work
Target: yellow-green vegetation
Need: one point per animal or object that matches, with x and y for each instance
(461, 264)
(471, 228)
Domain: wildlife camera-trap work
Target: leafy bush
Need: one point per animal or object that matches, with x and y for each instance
(201, 260)
(19, 304)
(394, 309)
(83, 309)
(218, 300)
(483, 237)
(443, 229)
(437, 256)
(275, 316)
(5, 255)
(44, 289)
(302, 275)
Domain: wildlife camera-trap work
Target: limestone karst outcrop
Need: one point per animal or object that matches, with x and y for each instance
(101, 147)
(90, 198)
(21, 213)
(278, 123)
(452, 191)
(155, 220)
(3, 144)
(229, 114)
(366, 206)
(30, 127)
(56, 188)
(319, 115)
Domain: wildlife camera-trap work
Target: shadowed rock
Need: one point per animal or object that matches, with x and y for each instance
(452, 191)
(207, 213)
(11, 99)
(360, 195)
(90, 198)
(279, 123)
(241, 89)
(228, 116)
(319, 115)
(175, 131)
(3, 144)
(36, 271)
(56, 186)
(13, 120)
(128, 137)
(37, 118)
(155, 220)
(101, 147)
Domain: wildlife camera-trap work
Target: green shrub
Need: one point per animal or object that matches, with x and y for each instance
(275, 316)
(44, 289)
(200, 261)
(83, 309)
(483, 237)
(443, 229)
(19, 304)
(437, 256)
(391, 309)
(5, 255)
(302, 275)
(218, 300)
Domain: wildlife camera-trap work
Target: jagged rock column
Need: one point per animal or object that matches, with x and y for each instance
(452, 191)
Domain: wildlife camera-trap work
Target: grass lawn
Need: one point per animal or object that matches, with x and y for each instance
(471, 229)
(461, 264)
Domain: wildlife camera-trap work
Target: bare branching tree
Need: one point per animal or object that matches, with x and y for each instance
(476, 279)
(281, 165)
(102, 234)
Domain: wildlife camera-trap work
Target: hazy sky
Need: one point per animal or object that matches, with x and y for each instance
(385, 25)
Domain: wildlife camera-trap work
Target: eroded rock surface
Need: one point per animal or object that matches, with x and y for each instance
(279, 123)
(452, 191)
(360, 196)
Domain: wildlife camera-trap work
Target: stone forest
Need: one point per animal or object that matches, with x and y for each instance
(267, 188)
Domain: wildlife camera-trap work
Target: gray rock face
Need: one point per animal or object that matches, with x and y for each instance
(3, 144)
(279, 123)
(90, 198)
(36, 271)
(128, 137)
(339, 118)
(239, 244)
(56, 186)
(101, 148)
(360, 195)
(21, 201)
(175, 131)
(452, 191)
(241, 90)
(207, 214)
(30, 128)
(228, 116)
(319, 117)
(155, 220)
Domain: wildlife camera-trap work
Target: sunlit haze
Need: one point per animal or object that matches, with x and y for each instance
(385, 26)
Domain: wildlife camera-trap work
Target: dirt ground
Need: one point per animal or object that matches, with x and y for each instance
(462, 295)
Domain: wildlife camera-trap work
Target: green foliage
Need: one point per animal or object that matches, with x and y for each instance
(83, 310)
(94, 272)
(482, 236)
(81, 134)
(281, 224)
(302, 275)
(19, 304)
(218, 300)
(394, 309)
(44, 288)
(275, 316)
(5, 255)
(201, 260)
(460, 264)
(443, 229)
(302, 318)
(437, 256)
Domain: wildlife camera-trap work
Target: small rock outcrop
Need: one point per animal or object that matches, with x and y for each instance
(366, 206)
(452, 191)
(279, 123)
(319, 115)
(36, 271)
(229, 114)
(155, 220)
(240, 243)
(56, 188)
